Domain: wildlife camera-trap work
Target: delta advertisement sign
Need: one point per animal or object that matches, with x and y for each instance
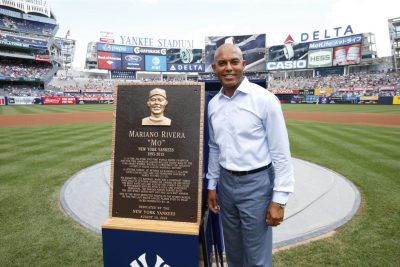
(185, 60)
(329, 33)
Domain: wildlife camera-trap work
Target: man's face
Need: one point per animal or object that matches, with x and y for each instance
(229, 66)
(157, 104)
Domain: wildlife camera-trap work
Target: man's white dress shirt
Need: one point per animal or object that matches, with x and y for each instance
(247, 131)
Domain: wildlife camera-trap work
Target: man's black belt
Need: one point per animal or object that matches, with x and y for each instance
(241, 173)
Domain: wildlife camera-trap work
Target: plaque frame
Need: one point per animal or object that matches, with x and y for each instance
(150, 225)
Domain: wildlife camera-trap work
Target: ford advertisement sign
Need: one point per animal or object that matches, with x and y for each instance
(132, 62)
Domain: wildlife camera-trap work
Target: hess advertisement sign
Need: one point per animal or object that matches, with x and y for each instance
(320, 58)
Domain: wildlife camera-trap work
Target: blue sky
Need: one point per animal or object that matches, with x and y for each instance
(196, 19)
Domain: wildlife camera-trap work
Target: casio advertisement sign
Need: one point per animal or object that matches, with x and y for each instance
(287, 65)
(320, 58)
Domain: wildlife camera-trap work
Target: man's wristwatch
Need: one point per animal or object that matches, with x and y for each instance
(280, 204)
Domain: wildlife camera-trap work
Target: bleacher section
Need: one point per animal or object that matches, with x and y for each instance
(21, 25)
(27, 54)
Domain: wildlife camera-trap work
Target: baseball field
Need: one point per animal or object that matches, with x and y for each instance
(42, 146)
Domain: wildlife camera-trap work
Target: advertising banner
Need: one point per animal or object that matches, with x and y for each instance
(348, 40)
(42, 58)
(21, 100)
(396, 100)
(26, 44)
(387, 88)
(95, 100)
(369, 99)
(252, 46)
(184, 56)
(132, 62)
(286, 65)
(58, 100)
(288, 52)
(285, 91)
(306, 92)
(2, 100)
(114, 48)
(108, 60)
(155, 63)
(71, 90)
(185, 60)
(287, 56)
(329, 71)
(186, 67)
(104, 91)
(346, 55)
(138, 50)
(323, 91)
(320, 58)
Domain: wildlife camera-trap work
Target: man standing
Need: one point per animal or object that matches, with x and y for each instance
(250, 160)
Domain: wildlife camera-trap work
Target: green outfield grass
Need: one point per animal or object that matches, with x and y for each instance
(391, 109)
(36, 162)
(35, 109)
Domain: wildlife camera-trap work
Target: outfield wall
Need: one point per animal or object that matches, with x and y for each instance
(286, 98)
(54, 100)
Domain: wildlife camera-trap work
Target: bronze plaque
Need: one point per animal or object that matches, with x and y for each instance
(158, 151)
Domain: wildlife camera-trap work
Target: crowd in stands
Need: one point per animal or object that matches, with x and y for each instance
(26, 25)
(24, 90)
(346, 86)
(14, 68)
(384, 84)
(251, 76)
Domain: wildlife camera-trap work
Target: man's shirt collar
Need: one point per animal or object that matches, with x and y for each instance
(243, 88)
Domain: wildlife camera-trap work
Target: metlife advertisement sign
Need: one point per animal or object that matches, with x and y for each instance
(348, 40)
(155, 63)
(320, 58)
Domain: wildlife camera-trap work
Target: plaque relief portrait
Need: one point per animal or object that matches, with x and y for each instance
(157, 101)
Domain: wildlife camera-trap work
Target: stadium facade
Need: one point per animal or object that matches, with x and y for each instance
(29, 54)
(31, 58)
(394, 33)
